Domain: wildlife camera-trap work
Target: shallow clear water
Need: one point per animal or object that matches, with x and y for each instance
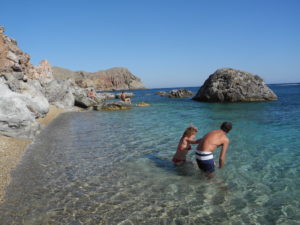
(115, 168)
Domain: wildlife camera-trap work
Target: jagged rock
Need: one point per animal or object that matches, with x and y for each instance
(230, 85)
(43, 71)
(111, 106)
(142, 104)
(12, 59)
(111, 79)
(59, 93)
(180, 93)
(17, 114)
(176, 93)
(41, 106)
(81, 99)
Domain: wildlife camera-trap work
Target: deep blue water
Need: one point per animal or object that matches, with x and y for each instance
(114, 167)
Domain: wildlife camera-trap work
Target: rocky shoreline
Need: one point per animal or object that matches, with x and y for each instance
(31, 97)
(12, 150)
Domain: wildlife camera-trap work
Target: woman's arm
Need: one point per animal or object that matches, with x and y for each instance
(192, 141)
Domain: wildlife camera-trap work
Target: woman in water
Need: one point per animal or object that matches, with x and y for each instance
(185, 145)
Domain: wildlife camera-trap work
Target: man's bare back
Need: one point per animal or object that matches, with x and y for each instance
(208, 144)
(212, 140)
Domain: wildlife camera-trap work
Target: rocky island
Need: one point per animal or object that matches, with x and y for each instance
(231, 85)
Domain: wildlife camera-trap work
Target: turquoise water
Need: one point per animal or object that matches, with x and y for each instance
(114, 167)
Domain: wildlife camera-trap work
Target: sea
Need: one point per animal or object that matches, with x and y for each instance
(99, 167)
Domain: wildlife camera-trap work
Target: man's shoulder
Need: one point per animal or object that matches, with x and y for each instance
(226, 139)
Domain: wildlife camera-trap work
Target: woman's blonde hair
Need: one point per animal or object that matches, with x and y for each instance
(189, 131)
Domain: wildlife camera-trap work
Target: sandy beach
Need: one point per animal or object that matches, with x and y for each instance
(12, 150)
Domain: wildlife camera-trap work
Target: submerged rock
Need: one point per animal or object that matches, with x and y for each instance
(162, 93)
(142, 104)
(230, 85)
(110, 106)
(176, 93)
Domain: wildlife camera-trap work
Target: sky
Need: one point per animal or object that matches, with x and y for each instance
(166, 43)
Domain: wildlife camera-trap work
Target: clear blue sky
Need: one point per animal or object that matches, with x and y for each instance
(167, 43)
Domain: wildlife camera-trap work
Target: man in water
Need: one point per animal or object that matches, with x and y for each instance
(208, 144)
(124, 99)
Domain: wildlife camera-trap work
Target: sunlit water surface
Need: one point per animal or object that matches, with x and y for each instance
(114, 167)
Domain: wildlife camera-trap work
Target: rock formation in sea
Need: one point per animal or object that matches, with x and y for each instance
(112, 106)
(176, 93)
(142, 104)
(231, 85)
(117, 78)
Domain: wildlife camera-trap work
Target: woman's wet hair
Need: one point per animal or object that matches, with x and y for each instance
(189, 131)
(226, 126)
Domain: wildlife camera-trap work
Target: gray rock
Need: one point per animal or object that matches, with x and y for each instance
(39, 104)
(81, 99)
(30, 93)
(111, 106)
(17, 116)
(59, 93)
(230, 85)
(176, 93)
(180, 93)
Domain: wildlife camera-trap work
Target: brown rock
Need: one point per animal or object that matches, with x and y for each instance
(12, 59)
(44, 70)
(112, 106)
(142, 104)
(112, 79)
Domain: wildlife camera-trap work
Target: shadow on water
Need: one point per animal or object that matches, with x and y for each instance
(186, 169)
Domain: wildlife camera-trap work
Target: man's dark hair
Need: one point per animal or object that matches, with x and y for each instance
(226, 126)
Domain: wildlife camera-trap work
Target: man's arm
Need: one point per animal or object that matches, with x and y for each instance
(223, 153)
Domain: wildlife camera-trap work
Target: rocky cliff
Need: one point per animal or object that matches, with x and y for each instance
(231, 85)
(15, 62)
(26, 91)
(112, 79)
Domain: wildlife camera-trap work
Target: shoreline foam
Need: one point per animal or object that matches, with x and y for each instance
(13, 149)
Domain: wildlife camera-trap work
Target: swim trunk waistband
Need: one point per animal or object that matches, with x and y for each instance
(201, 155)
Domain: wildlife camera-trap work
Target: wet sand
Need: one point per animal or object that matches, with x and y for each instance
(12, 149)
